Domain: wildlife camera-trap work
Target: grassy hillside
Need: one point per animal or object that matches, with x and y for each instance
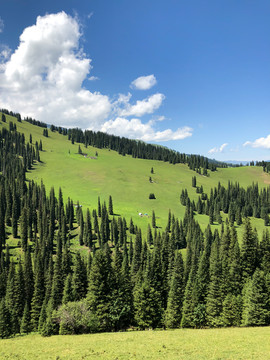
(124, 178)
(233, 343)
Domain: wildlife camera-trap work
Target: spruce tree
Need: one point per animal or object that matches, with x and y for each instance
(255, 301)
(173, 312)
(68, 293)
(26, 320)
(147, 306)
(110, 205)
(79, 278)
(100, 289)
(24, 229)
(214, 296)
(153, 219)
(249, 251)
(5, 321)
(38, 295)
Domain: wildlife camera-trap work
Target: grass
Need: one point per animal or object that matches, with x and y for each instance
(126, 179)
(230, 343)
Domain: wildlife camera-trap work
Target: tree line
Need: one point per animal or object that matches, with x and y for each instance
(234, 200)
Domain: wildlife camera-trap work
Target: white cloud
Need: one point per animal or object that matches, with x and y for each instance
(5, 52)
(259, 143)
(135, 129)
(218, 150)
(144, 82)
(1, 25)
(43, 77)
(93, 78)
(142, 107)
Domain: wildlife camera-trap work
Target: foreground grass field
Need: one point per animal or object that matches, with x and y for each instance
(235, 343)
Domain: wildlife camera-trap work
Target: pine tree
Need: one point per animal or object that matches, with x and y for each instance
(147, 306)
(175, 299)
(255, 301)
(214, 296)
(249, 250)
(24, 228)
(57, 283)
(232, 310)
(38, 295)
(110, 205)
(79, 279)
(26, 320)
(153, 219)
(136, 259)
(149, 236)
(67, 293)
(2, 230)
(100, 289)
(5, 321)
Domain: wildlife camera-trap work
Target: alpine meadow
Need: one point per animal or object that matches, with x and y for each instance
(134, 180)
(103, 234)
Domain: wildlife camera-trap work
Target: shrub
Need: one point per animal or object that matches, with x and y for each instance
(152, 196)
(76, 318)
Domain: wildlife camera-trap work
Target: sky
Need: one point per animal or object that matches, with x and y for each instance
(191, 75)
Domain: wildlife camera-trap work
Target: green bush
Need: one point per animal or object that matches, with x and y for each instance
(76, 318)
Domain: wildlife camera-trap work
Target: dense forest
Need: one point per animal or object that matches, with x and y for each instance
(125, 280)
(234, 200)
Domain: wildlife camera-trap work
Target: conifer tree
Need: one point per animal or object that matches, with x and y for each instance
(153, 219)
(255, 304)
(79, 278)
(26, 320)
(2, 230)
(147, 306)
(136, 259)
(68, 293)
(24, 229)
(38, 295)
(57, 283)
(189, 300)
(5, 321)
(149, 236)
(100, 289)
(232, 310)
(28, 276)
(175, 299)
(214, 297)
(110, 205)
(249, 250)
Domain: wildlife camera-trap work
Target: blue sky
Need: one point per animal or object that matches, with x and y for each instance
(190, 75)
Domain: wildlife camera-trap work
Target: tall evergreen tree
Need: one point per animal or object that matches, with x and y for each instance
(175, 299)
(255, 301)
(99, 294)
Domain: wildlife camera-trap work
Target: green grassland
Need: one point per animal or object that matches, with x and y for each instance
(126, 179)
(233, 343)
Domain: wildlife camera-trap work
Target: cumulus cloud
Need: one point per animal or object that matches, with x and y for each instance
(142, 107)
(43, 77)
(135, 129)
(218, 149)
(144, 82)
(263, 142)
